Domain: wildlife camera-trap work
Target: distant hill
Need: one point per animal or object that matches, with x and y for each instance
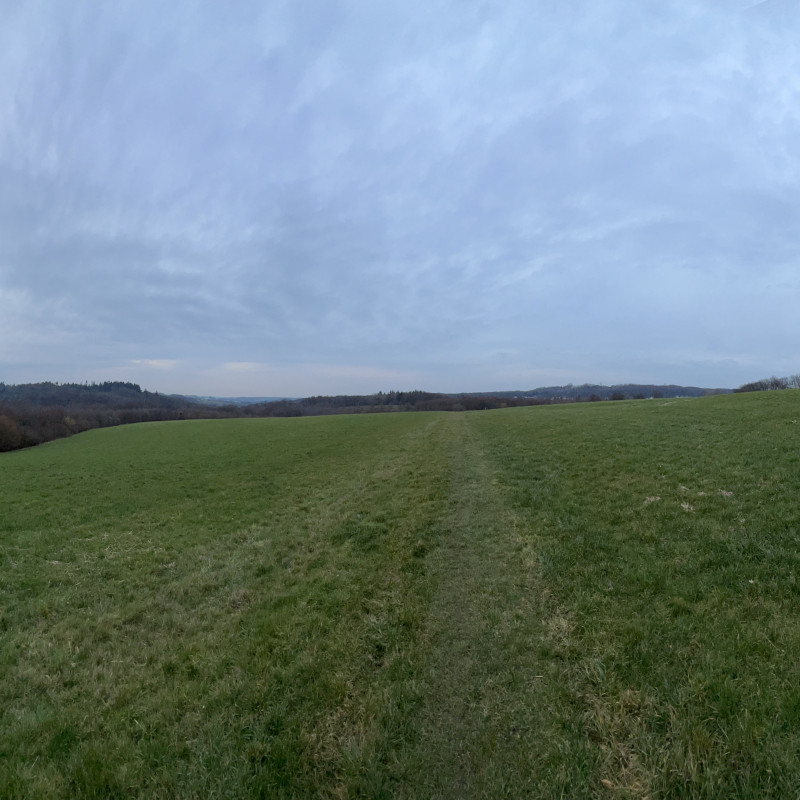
(117, 394)
(232, 401)
(33, 413)
(594, 391)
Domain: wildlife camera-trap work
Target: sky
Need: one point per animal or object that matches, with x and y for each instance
(344, 196)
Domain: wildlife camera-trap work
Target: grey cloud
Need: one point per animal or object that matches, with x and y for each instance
(587, 189)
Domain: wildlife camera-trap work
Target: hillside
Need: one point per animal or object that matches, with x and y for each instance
(594, 391)
(576, 600)
(120, 394)
(34, 413)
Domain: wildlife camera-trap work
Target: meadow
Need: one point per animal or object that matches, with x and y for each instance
(590, 600)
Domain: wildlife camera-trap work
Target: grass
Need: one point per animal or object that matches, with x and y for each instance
(666, 536)
(574, 601)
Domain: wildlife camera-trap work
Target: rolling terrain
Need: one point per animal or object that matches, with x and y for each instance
(574, 600)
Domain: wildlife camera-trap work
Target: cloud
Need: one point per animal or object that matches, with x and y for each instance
(301, 378)
(155, 363)
(407, 191)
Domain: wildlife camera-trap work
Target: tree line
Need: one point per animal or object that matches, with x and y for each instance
(771, 384)
(34, 413)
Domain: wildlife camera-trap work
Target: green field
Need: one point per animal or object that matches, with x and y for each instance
(567, 601)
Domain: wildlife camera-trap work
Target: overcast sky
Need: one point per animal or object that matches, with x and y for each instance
(324, 196)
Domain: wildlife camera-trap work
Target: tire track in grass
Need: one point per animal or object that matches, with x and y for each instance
(488, 727)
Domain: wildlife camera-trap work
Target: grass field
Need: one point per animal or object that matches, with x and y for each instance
(566, 601)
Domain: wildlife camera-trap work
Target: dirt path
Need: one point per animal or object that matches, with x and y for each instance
(481, 668)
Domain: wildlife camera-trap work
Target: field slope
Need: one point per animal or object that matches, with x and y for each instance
(577, 601)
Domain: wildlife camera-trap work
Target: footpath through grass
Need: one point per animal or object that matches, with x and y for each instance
(547, 602)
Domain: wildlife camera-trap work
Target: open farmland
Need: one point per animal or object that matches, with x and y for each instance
(579, 601)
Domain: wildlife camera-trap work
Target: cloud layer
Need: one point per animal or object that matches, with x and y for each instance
(314, 197)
